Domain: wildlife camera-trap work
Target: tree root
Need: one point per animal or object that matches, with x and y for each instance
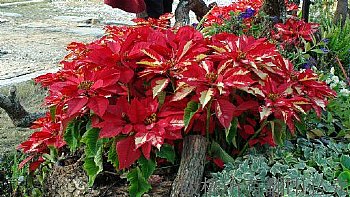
(19, 116)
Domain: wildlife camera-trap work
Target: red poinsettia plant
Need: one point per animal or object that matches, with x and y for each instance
(138, 90)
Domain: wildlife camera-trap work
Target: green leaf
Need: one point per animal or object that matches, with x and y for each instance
(345, 161)
(278, 129)
(72, 135)
(217, 151)
(206, 97)
(190, 110)
(93, 153)
(301, 127)
(147, 166)
(231, 133)
(167, 152)
(112, 155)
(93, 166)
(319, 51)
(344, 179)
(53, 112)
(161, 98)
(90, 138)
(138, 183)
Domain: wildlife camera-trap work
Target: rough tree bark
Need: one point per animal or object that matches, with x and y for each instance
(341, 12)
(188, 180)
(275, 9)
(185, 6)
(19, 116)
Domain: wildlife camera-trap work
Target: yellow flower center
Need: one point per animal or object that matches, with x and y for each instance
(211, 77)
(85, 85)
(273, 97)
(151, 119)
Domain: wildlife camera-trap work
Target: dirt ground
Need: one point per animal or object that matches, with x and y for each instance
(33, 36)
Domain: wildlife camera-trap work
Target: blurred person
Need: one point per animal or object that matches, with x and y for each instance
(143, 8)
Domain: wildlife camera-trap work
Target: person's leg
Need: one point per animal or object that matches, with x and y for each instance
(168, 6)
(154, 8)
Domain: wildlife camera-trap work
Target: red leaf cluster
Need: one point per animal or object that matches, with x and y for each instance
(293, 30)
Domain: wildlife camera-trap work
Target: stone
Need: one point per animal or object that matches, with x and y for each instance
(112, 22)
(84, 31)
(3, 20)
(10, 14)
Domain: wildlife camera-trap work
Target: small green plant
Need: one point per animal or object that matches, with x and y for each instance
(15, 181)
(304, 169)
(338, 44)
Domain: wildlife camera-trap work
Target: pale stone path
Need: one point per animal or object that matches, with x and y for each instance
(33, 35)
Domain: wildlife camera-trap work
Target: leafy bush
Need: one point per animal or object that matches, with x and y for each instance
(305, 169)
(131, 96)
(338, 44)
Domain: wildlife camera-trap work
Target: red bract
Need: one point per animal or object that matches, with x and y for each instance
(282, 103)
(163, 22)
(245, 52)
(150, 123)
(88, 89)
(172, 52)
(293, 30)
(38, 143)
(291, 6)
(221, 81)
(307, 83)
(265, 137)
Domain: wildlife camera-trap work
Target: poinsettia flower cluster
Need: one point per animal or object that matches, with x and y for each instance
(293, 30)
(291, 6)
(146, 86)
(220, 14)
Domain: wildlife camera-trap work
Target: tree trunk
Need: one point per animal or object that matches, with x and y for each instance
(182, 13)
(19, 116)
(341, 12)
(188, 180)
(275, 9)
(199, 8)
(306, 10)
(183, 10)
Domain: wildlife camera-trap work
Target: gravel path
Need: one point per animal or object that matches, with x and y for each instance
(33, 36)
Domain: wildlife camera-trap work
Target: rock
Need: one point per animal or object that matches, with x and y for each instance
(3, 52)
(3, 20)
(112, 22)
(97, 32)
(10, 14)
